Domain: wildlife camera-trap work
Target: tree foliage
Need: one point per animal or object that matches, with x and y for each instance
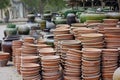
(4, 3)
(38, 5)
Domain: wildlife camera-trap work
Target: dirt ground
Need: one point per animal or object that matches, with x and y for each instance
(9, 72)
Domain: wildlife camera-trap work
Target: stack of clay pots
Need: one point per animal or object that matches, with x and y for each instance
(92, 40)
(91, 64)
(72, 68)
(29, 49)
(29, 59)
(30, 71)
(78, 31)
(46, 52)
(107, 23)
(29, 40)
(65, 45)
(112, 37)
(16, 47)
(62, 32)
(4, 57)
(51, 68)
(109, 63)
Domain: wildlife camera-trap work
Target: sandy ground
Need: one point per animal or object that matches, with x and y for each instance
(9, 73)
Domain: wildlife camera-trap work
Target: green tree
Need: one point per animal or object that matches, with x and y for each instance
(4, 4)
(34, 5)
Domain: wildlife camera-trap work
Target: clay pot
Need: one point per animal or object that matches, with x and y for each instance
(28, 40)
(47, 51)
(61, 31)
(78, 25)
(64, 37)
(4, 56)
(29, 59)
(92, 78)
(71, 78)
(110, 20)
(90, 63)
(17, 43)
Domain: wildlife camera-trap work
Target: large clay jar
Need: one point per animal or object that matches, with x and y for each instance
(116, 75)
(23, 30)
(92, 16)
(71, 18)
(7, 44)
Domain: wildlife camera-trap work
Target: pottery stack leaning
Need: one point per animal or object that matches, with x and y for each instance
(30, 71)
(112, 37)
(72, 66)
(91, 64)
(109, 63)
(92, 40)
(50, 68)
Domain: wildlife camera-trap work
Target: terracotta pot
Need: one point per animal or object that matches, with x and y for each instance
(61, 31)
(29, 59)
(90, 63)
(17, 43)
(4, 56)
(92, 78)
(78, 25)
(110, 20)
(92, 36)
(51, 77)
(64, 36)
(29, 39)
(71, 78)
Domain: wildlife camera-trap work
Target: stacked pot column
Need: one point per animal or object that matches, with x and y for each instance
(16, 47)
(51, 68)
(60, 29)
(30, 67)
(91, 64)
(109, 63)
(112, 37)
(65, 45)
(78, 31)
(92, 40)
(72, 68)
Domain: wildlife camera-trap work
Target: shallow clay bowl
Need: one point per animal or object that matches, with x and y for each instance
(4, 55)
(110, 21)
(92, 36)
(47, 50)
(79, 25)
(92, 78)
(17, 42)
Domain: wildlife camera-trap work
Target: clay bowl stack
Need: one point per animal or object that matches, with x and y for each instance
(72, 68)
(30, 71)
(16, 48)
(29, 49)
(91, 64)
(102, 26)
(78, 31)
(110, 21)
(61, 31)
(29, 40)
(92, 40)
(65, 45)
(18, 58)
(29, 59)
(109, 63)
(77, 25)
(4, 57)
(112, 37)
(46, 52)
(50, 68)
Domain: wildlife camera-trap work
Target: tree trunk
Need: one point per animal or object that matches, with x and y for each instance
(41, 8)
(119, 5)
